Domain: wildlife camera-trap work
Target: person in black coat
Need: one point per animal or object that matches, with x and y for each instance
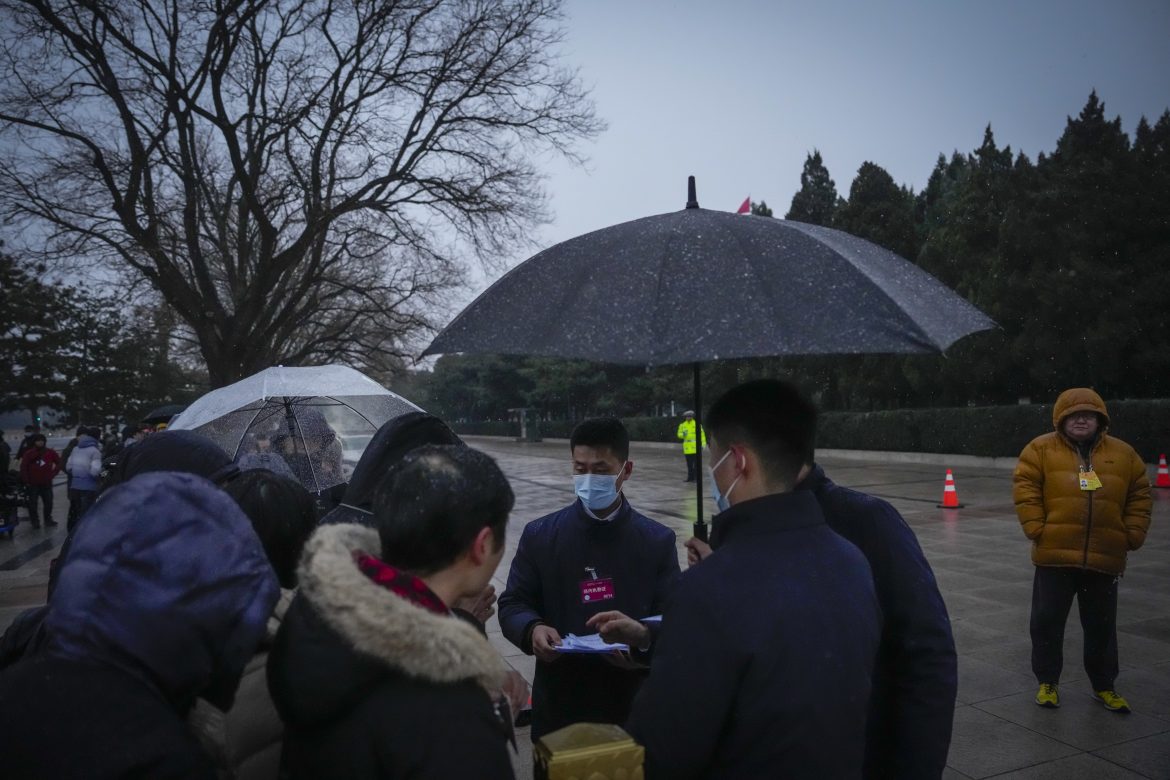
(372, 674)
(763, 666)
(164, 598)
(912, 704)
(915, 683)
(596, 566)
(389, 445)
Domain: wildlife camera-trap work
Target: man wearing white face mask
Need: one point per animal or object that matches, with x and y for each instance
(764, 664)
(595, 566)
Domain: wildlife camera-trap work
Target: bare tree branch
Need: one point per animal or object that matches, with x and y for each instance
(289, 175)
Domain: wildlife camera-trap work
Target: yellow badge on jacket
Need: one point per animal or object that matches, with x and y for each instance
(1089, 480)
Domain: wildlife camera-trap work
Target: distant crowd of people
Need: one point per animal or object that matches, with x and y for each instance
(84, 461)
(208, 617)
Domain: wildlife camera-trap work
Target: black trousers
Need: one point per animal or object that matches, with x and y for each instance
(45, 494)
(692, 466)
(79, 503)
(1053, 590)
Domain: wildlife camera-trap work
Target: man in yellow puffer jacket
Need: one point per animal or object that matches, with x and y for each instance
(1083, 498)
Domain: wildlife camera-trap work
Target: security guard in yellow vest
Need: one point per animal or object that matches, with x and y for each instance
(686, 433)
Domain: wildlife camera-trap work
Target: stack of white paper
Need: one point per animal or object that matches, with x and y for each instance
(593, 643)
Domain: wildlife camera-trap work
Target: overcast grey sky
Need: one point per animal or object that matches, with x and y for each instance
(737, 92)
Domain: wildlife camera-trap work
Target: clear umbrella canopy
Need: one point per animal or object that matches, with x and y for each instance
(308, 423)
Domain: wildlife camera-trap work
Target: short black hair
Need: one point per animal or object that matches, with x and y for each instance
(283, 514)
(430, 505)
(602, 432)
(38, 437)
(773, 418)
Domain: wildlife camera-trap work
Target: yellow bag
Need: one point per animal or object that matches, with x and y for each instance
(588, 751)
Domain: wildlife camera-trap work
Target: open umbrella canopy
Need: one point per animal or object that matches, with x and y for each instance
(309, 423)
(696, 285)
(163, 413)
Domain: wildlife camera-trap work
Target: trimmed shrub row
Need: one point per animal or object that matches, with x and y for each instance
(998, 431)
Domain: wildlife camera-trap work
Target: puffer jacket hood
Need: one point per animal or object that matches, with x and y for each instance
(85, 441)
(1078, 399)
(344, 632)
(389, 445)
(168, 582)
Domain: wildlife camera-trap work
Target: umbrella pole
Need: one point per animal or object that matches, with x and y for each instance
(700, 526)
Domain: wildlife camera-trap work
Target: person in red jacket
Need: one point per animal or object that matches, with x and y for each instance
(38, 466)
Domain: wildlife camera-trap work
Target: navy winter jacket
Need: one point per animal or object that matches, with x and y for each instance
(763, 664)
(916, 677)
(544, 586)
(165, 597)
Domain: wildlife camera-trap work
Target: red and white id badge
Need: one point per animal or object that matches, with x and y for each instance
(596, 590)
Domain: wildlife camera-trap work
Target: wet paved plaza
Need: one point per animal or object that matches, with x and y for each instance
(980, 558)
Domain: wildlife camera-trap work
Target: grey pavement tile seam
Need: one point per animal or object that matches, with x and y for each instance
(1147, 756)
(1080, 722)
(1017, 747)
(1082, 766)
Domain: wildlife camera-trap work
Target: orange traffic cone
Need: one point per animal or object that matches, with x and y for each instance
(1163, 480)
(950, 498)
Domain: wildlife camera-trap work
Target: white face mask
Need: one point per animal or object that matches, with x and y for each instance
(722, 501)
(597, 491)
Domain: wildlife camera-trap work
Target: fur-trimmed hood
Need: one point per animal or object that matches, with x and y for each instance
(379, 624)
(344, 632)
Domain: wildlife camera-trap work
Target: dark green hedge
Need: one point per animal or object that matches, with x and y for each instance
(988, 430)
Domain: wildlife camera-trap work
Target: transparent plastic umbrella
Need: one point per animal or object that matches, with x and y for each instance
(309, 423)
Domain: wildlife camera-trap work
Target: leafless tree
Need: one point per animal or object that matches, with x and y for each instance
(292, 176)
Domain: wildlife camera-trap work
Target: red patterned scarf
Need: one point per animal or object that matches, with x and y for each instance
(400, 583)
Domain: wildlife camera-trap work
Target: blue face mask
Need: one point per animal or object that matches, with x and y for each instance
(721, 501)
(597, 491)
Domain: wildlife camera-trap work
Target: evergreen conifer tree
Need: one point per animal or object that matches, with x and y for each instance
(816, 201)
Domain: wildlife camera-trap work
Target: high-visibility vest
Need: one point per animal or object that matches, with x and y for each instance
(686, 432)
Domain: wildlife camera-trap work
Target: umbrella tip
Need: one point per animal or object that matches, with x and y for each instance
(692, 199)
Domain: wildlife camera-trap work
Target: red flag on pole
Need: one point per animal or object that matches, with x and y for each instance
(746, 206)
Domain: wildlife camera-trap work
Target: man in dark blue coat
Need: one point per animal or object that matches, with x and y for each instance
(916, 678)
(764, 663)
(915, 681)
(596, 566)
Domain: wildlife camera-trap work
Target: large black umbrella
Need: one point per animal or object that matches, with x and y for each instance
(697, 285)
(163, 413)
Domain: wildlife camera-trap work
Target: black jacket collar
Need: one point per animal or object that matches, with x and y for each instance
(814, 480)
(771, 514)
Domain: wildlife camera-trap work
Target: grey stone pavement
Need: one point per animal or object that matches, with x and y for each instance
(980, 559)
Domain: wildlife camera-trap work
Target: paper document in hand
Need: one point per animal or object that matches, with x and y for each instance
(593, 643)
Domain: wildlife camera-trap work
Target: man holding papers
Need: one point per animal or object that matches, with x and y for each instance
(596, 566)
